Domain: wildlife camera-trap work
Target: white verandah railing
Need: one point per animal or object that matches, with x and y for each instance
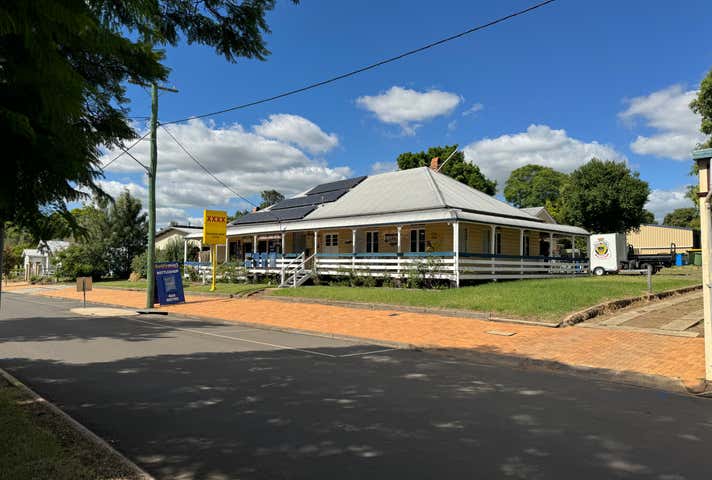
(437, 265)
(444, 265)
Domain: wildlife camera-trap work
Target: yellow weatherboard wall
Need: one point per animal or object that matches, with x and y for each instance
(214, 227)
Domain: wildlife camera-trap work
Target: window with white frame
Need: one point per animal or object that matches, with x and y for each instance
(526, 245)
(417, 240)
(498, 243)
(486, 239)
(331, 240)
(372, 242)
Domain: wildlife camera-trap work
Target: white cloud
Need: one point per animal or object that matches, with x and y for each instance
(662, 202)
(540, 145)
(667, 112)
(383, 167)
(246, 161)
(298, 131)
(473, 109)
(405, 107)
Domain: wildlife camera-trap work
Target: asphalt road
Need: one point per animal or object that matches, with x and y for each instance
(188, 398)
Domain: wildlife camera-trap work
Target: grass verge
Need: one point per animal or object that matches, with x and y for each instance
(547, 299)
(37, 443)
(223, 288)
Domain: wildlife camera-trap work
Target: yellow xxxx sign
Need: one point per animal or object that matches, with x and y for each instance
(214, 227)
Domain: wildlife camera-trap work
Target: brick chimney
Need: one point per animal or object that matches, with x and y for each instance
(435, 163)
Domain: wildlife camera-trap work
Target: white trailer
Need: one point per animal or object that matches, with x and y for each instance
(608, 253)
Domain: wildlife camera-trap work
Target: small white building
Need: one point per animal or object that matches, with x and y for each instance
(175, 233)
(38, 261)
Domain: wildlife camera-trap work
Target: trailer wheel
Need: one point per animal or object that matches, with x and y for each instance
(599, 271)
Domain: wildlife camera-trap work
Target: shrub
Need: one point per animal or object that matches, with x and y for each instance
(139, 264)
(81, 260)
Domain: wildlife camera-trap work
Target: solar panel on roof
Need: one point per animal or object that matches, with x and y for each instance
(309, 200)
(339, 185)
(296, 213)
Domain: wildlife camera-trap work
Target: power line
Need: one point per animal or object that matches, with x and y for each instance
(124, 151)
(368, 67)
(192, 157)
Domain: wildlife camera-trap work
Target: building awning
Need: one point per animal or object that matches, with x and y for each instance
(400, 218)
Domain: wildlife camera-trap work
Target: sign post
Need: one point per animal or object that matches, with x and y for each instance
(84, 285)
(214, 234)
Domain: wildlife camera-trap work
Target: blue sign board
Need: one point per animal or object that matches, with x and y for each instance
(169, 284)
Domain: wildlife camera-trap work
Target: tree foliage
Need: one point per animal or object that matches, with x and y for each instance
(682, 217)
(702, 105)
(456, 167)
(112, 235)
(533, 186)
(62, 71)
(649, 218)
(270, 197)
(605, 196)
(127, 228)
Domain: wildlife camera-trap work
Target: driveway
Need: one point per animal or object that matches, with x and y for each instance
(187, 398)
(679, 315)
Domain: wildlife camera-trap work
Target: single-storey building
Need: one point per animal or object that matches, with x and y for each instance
(175, 233)
(38, 261)
(394, 223)
(661, 238)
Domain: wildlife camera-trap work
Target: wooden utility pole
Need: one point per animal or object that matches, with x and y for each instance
(152, 171)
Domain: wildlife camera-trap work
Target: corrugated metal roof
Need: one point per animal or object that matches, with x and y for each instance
(532, 210)
(527, 224)
(414, 189)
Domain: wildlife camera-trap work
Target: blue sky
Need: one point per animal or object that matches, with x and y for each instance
(554, 87)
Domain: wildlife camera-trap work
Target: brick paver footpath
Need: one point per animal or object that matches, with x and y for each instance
(673, 357)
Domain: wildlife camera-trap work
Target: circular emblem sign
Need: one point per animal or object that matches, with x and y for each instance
(601, 249)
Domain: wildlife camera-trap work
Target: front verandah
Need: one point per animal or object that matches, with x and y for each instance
(455, 251)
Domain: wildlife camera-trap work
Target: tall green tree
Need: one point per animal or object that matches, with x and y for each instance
(682, 217)
(456, 167)
(270, 197)
(63, 67)
(649, 218)
(702, 105)
(127, 233)
(605, 196)
(533, 186)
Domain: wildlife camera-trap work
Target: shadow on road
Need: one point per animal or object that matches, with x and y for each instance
(400, 414)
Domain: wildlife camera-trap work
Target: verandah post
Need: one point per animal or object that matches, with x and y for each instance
(353, 250)
(493, 247)
(399, 250)
(521, 251)
(456, 251)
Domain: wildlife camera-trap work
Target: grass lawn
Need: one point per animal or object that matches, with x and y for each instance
(548, 299)
(224, 288)
(36, 443)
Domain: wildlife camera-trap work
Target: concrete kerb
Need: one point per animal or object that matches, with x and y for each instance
(613, 305)
(137, 471)
(262, 326)
(246, 293)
